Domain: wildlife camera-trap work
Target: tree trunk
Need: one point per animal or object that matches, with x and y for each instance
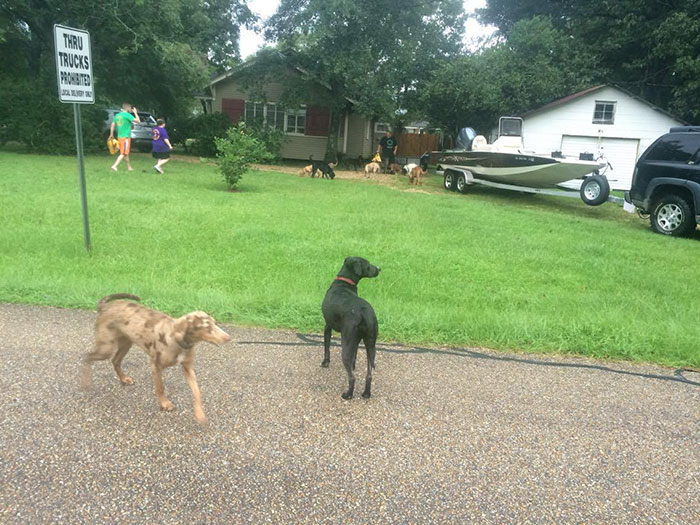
(332, 143)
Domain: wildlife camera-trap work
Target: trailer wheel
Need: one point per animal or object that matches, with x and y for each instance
(595, 190)
(450, 181)
(461, 184)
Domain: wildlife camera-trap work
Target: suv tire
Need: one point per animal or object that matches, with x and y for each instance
(672, 215)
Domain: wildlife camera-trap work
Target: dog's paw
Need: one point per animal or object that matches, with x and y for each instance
(201, 418)
(346, 395)
(366, 395)
(126, 380)
(325, 364)
(167, 406)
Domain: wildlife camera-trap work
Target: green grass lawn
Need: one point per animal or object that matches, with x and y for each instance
(494, 269)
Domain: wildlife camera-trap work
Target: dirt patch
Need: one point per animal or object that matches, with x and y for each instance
(399, 182)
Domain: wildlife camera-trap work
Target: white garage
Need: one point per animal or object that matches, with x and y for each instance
(621, 154)
(604, 118)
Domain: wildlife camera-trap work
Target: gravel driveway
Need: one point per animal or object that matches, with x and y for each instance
(449, 435)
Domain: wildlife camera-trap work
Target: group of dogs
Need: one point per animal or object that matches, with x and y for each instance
(122, 322)
(414, 171)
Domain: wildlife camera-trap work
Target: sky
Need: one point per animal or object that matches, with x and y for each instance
(251, 41)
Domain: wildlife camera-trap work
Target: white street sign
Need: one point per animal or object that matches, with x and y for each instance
(73, 65)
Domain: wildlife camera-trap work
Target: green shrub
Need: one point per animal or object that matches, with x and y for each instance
(237, 151)
(197, 133)
(270, 137)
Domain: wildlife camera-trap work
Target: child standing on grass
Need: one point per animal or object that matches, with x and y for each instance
(161, 145)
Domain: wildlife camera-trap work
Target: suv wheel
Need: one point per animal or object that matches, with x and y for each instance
(672, 215)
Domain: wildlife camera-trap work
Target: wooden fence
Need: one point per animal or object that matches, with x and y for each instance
(415, 144)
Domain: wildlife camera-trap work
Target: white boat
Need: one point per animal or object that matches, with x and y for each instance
(505, 164)
(506, 161)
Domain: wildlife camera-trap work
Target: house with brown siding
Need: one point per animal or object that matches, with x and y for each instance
(306, 127)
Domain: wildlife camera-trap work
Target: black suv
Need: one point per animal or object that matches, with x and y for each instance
(666, 182)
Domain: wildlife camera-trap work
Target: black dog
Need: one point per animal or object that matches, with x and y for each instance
(326, 169)
(358, 163)
(352, 316)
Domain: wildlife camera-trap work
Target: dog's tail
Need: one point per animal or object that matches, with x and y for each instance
(116, 296)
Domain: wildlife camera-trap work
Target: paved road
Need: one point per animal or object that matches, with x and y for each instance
(449, 436)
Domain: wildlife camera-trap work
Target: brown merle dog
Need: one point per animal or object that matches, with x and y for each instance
(167, 341)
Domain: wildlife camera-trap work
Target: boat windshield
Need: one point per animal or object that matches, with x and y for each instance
(510, 127)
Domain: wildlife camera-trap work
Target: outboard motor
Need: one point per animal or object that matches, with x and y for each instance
(465, 138)
(424, 160)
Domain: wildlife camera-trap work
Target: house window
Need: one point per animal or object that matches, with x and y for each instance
(260, 112)
(254, 112)
(381, 127)
(604, 112)
(274, 116)
(296, 121)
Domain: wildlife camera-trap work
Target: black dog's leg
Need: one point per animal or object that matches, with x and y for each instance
(326, 347)
(371, 352)
(349, 353)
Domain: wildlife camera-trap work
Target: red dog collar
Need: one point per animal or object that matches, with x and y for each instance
(345, 279)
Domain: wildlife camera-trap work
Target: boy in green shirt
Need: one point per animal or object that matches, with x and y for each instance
(122, 121)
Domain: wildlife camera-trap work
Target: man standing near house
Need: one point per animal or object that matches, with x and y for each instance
(122, 121)
(387, 148)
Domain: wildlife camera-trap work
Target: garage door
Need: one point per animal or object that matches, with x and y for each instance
(621, 154)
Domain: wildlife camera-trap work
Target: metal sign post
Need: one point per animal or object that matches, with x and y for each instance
(75, 85)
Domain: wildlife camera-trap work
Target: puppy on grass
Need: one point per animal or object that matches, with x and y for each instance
(372, 167)
(395, 168)
(306, 170)
(121, 322)
(415, 176)
(326, 169)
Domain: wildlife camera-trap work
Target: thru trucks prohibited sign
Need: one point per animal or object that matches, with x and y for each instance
(73, 65)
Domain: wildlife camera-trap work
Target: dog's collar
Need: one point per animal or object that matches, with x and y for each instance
(345, 279)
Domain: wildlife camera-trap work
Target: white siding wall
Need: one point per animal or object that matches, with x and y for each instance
(543, 132)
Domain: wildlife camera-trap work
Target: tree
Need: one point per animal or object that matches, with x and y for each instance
(374, 52)
(156, 54)
(536, 65)
(646, 46)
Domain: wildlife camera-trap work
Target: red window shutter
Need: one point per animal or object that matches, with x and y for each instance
(317, 121)
(233, 107)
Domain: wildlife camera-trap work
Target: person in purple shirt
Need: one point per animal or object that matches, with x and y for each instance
(161, 145)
